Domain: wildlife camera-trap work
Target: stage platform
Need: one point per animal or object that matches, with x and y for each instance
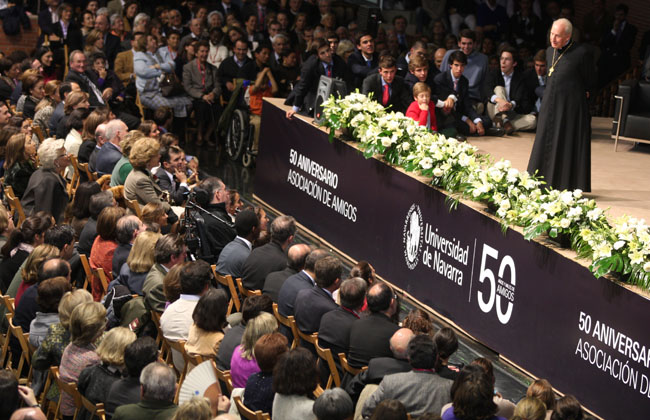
(620, 180)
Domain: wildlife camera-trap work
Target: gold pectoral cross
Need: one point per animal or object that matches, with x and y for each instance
(550, 71)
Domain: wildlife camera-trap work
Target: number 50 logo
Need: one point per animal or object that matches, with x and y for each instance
(500, 290)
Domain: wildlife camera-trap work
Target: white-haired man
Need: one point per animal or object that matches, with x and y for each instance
(562, 149)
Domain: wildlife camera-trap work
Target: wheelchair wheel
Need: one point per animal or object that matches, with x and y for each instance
(237, 138)
(247, 160)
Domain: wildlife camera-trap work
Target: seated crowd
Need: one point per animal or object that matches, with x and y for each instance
(97, 262)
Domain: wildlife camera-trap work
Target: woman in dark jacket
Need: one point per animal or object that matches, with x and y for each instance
(34, 91)
(20, 162)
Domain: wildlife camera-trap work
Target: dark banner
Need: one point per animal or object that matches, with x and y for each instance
(589, 337)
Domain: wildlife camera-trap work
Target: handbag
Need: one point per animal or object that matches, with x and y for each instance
(169, 83)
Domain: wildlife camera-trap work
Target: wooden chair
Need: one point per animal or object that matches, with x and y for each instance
(246, 292)
(104, 181)
(74, 182)
(83, 167)
(223, 376)
(228, 282)
(308, 338)
(26, 351)
(95, 410)
(326, 356)
(68, 387)
(347, 368)
(249, 414)
(318, 391)
(36, 129)
(118, 192)
(8, 303)
(288, 322)
(14, 204)
(134, 206)
(48, 406)
(87, 271)
(179, 347)
(160, 341)
(103, 279)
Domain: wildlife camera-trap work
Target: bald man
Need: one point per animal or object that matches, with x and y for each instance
(295, 263)
(562, 149)
(28, 413)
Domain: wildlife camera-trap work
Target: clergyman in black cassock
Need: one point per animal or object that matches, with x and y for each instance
(562, 149)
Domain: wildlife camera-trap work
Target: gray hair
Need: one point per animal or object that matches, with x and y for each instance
(353, 292)
(568, 27)
(48, 152)
(139, 17)
(282, 228)
(102, 11)
(126, 227)
(100, 131)
(279, 37)
(158, 382)
(166, 247)
(215, 12)
(114, 18)
(99, 202)
(112, 128)
(333, 404)
(73, 53)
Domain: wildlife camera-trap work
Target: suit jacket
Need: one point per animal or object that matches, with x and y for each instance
(262, 261)
(411, 80)
(107, 157)
(111, 48)
(232, 8)
(74, 39)
(124, 66)
(140, 186)
(120, 255)
(518, 90)
(176, 192)
(400, 97)
(274, 281)
(334, 330)
(311, 305)
(377, 369)
(73, 76)
(85, 150)
(197, 85)
(289, 291)
(369, 338)
(154, 297)
(407, 387)
(46, 190)
(150, 410)
(359, 67)
(218, 232)
(312, 70)
(445, 87)
(57, 114)
(232, 258)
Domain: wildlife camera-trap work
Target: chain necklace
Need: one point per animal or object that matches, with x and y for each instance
(554, 61)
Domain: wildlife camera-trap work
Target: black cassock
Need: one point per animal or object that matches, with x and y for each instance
(562, 149)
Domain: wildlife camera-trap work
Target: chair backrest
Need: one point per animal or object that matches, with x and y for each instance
(223, 376)
(247, 413)
(14, 204)
(87, 271)
(95, 410)
(69, 388)
(74, 182)
(26, 350)
(179, 346)
(103, 279)
(310, 338)
(134, 206)
(229, 283)
(118, 192)
(36, 129)
(8, 302)
(346, 367)
(288, 322)
(326, 356)
(246, 292)
(83, 167)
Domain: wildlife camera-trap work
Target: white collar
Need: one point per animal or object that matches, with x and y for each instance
(246, 241)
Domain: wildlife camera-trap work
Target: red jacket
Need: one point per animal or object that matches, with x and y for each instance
(420, 116)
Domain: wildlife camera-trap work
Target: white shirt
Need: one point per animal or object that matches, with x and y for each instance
(176, 320)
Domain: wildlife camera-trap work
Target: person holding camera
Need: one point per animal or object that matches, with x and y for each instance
(218, 230)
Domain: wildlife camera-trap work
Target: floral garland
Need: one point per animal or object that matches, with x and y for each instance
(517, 198)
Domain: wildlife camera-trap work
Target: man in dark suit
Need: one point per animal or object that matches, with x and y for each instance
(218, 229)
(364, 60)
(128, 227)
(270, 257)
(453, 89)
(386, 87)
(47, 18)
(418, 48)
(334, 329)
(295, 262)
(509, 102)
(421, 70)
(227, 6)
(312, 304)
(370, 336)
(111, 152)
(260, 8)
(158, 383)
(324, 63)
(230, 67)
(302, 280)
(382, 366)
(64, 89)
(616, 46)
(234, 254)
(172, 174)
(111, 42)
(535, 80)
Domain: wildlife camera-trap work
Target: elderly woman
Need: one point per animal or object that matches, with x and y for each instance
(95, 381)
(20, 162)
(123, 167)
(87, 324)
(46, 190)
(139, 185)
(148, 68)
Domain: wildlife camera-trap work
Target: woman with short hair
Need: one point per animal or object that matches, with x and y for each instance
(50, 293)
(101, 253)
(258, 394)
(209, 318)
(33, 89)
(45, 108)
(295, 378)
(242, 362)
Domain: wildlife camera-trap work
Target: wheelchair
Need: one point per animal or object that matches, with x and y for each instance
(236, 128)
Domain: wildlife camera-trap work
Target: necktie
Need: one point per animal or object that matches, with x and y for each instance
(92, 87)
(456, 85)
(386, 97)
(328, 68)
(369, 63)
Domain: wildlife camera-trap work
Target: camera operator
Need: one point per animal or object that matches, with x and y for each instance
(211, 195)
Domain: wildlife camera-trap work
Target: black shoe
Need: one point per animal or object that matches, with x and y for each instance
(495, 131)
(507, 126)
(461, 137)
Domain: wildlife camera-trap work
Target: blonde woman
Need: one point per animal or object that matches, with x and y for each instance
(29, 272)
(95, 381)
(530, 408)
(243, 363)
(194, 409)
(87, 324)
(123, 167)
(139, 262)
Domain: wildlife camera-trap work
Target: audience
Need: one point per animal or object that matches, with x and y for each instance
(158, 387)
(207, 330)
(295, 378)
(139, 262)
(258, 393)
(242, 362)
